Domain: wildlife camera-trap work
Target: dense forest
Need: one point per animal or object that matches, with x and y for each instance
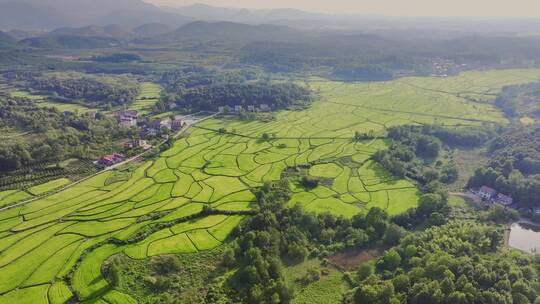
(353, 56)
(414, 153)
(49, 136)
(90, 90)
(457, 263)
(514, 165)
(202, 89)
(521, 100)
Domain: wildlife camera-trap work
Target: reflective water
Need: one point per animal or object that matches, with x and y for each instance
(525, 237)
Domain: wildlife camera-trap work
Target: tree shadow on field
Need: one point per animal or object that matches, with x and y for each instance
(96, 295)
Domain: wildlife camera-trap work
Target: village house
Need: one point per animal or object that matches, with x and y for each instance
(251, 108)
(127, 122)
(149, 132)
(265, 108)
(221, 110)
(177, 123)
(127, 119)
(238, 109)
(504, 200)
(138, 143)
(487, 193)
(109, 160)
(126, 114)
(159, 123)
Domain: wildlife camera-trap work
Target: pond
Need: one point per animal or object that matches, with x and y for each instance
(525, 237)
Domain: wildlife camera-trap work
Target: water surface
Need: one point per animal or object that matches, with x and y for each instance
(524, 237)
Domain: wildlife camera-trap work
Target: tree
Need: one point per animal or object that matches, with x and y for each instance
(429, 203)
(114, 275)
(375, 292)
(391, 260)
(364, 271)
(428, 146)
(401, 283)
(393, 235)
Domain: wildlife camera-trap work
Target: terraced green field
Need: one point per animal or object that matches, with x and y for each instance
(53, 247)
(148, 96)
(49, 186)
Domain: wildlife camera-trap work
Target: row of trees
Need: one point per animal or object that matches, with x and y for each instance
(197, 88)
(276, 96)
(89, 91)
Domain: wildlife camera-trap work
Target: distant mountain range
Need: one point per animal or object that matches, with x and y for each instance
(211, 13)
(31, 15)
(51, 14)
(115, 35)
(229, 31)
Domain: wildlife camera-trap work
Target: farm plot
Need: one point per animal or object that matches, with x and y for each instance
(55, 245)
(148, 96)
(49, 186)
(45, 102)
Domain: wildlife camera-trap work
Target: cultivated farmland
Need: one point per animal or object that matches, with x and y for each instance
(53, 248)
(148, 96)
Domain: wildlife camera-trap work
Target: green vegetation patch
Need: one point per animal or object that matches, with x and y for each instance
(49, 186)
(179, 243)
(30, 295)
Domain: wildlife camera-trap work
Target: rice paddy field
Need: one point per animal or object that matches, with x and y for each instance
(148, 96)
(52, 249)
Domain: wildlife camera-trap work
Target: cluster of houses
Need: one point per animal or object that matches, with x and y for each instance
(251, 108)
(109, 160)
(491, 195)
(129, 119)
(153, 127)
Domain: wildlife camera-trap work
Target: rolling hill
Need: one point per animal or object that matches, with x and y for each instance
(230, 31)
(49, 14)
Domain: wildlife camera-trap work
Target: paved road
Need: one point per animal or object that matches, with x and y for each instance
(127, 161)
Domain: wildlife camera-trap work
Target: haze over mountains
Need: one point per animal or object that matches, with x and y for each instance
(50, 14)
(31, 15)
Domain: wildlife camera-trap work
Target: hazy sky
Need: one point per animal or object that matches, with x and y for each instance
(481, 8)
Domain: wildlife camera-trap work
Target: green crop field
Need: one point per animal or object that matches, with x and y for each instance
(148, 96)
(55, 245)
(49, 186)
(44, 101)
